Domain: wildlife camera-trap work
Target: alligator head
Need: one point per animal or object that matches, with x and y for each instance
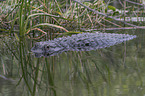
(48, 47)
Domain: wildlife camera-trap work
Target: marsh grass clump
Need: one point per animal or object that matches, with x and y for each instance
(25, 17)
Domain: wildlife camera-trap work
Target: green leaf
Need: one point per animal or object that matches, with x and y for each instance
(49, 25)
(111, 8)
(71, 33)
(42, 14)
(17, 37)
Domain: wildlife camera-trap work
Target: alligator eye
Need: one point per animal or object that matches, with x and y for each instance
(47, 47)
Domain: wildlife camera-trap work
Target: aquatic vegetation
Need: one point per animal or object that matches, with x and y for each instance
(24, 16)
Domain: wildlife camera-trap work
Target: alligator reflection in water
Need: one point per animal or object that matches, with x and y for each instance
(79, 42)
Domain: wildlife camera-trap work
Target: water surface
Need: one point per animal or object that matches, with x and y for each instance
(115, 71)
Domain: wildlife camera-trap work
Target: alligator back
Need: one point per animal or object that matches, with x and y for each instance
(80, 42)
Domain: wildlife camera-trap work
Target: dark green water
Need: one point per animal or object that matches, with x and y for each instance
(115, 71)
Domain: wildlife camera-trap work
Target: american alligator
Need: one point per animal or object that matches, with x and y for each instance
(79, 42)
